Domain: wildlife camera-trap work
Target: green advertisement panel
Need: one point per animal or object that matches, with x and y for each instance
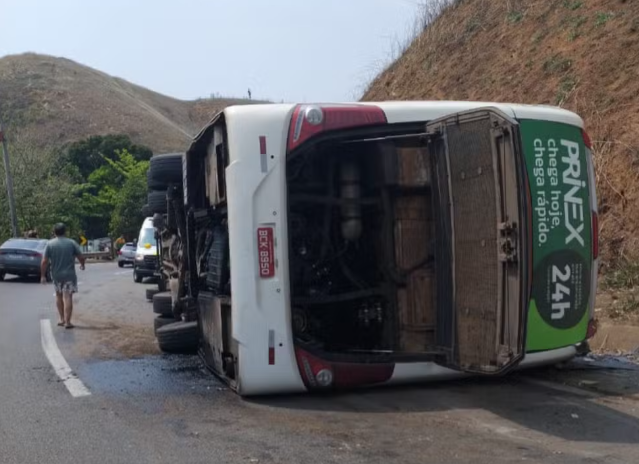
(562, 245)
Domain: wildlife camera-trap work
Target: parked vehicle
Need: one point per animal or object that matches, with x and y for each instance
(313, 247)
(22, 257)
(146, 253)
(126, 254)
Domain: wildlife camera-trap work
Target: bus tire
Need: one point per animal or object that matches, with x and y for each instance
(163, 304)
(161, 321)
(179, 337)
(157, 201)
(165, 170)
(150, 293)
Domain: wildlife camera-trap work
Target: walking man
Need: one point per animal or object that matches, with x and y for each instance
(60, 256)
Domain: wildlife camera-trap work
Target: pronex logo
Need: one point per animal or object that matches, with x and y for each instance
(573, 202)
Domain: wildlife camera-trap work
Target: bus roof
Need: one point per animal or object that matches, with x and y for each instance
(395, 111)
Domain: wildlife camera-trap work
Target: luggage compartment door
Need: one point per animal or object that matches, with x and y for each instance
(482, 255)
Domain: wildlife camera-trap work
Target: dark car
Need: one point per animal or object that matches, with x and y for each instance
(22, 257)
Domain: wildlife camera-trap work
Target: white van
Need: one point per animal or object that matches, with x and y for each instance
(333, 246)
(146, 255)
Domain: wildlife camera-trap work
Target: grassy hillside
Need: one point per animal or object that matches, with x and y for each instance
(62, 100)
(579, 54)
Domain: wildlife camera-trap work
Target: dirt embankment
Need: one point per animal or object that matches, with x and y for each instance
(63, 101)
(579, 54)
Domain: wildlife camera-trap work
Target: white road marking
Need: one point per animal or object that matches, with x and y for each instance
(122, 272)
(60, 365)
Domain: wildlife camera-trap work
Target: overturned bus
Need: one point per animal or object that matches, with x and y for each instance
(317, 247)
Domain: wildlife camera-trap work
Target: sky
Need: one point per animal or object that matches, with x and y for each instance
(290, 50)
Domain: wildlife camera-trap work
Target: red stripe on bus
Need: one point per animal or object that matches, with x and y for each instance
(262, 145)
(271, 347)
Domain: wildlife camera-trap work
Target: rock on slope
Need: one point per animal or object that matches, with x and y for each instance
(579, 54)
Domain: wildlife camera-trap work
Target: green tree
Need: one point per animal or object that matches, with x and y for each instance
(44, 194)
(128, 199)
(112, 192)
(101, 163)
(127, 214)
(89, 154)
(107, 198)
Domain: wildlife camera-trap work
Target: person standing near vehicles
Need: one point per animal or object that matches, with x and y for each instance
(59, 257)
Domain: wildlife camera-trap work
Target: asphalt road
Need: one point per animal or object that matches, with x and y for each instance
(148, 408)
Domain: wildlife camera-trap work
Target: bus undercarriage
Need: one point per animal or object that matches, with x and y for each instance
(362, 248)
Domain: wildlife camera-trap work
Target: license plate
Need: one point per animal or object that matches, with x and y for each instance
(265, 252)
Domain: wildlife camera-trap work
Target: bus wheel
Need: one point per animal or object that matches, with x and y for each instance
(165, 170)
(179, 337)
(163, 304)
(161, 321)
(150, 293)
(157, 201)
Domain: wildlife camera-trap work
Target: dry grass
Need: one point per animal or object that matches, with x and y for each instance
(582, 55)
(64, 101)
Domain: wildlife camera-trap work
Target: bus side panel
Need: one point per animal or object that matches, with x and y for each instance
(256, 192)
(557, 166)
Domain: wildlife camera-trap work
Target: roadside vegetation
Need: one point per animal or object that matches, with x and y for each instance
(97, 185)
